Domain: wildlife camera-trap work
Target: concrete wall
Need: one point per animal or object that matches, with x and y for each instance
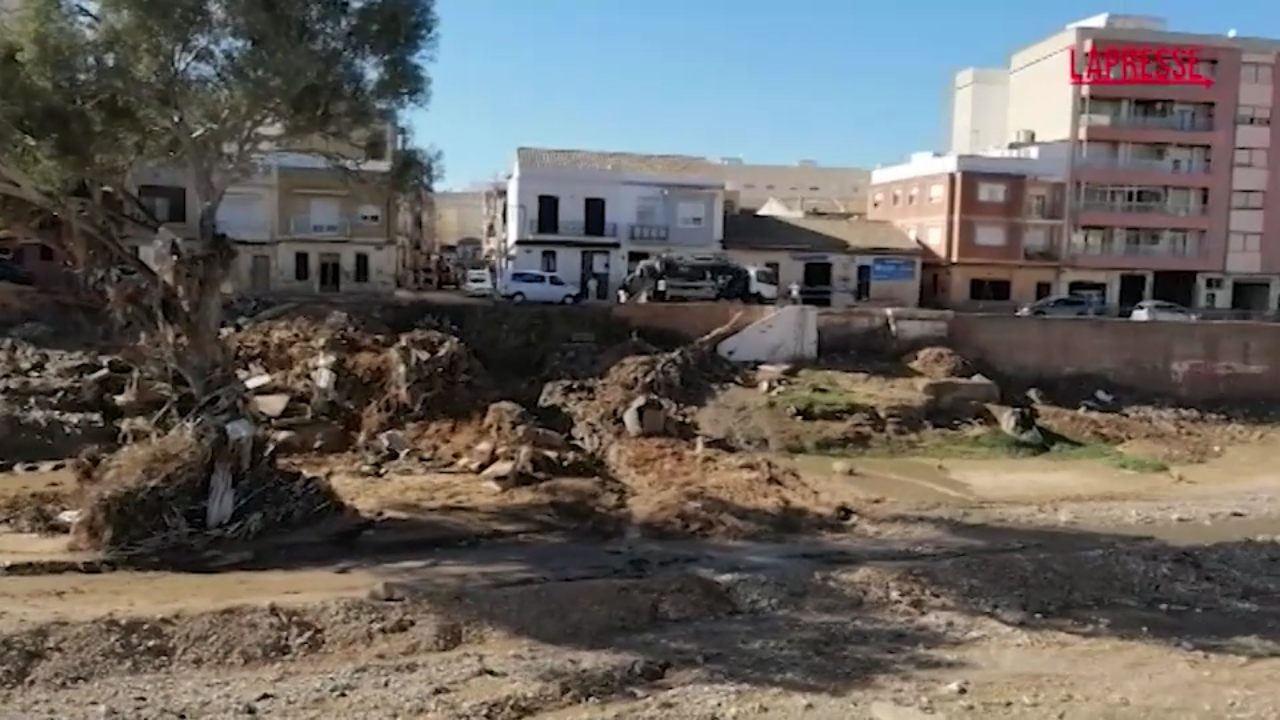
(1208, 361)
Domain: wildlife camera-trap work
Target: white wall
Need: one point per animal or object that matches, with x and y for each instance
(979, 109)
(620, 192)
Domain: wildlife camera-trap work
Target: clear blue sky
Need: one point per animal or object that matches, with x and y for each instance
(772, 82)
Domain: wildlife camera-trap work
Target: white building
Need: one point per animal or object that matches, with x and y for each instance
(584, 214)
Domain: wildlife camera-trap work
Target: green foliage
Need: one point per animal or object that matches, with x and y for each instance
(92, 88)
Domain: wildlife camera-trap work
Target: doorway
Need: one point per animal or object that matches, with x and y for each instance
(595, 264)
(815, 286)
(1133, 290)
(548, 221)
(260, 273)
(330, 272)
(593, 213)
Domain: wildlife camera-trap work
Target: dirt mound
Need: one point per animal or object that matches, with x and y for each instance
(175, 493)
(1171, 434)
(939, 363)
(363, 380)
(674, 488)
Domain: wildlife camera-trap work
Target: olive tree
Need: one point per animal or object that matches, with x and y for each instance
(91, 90)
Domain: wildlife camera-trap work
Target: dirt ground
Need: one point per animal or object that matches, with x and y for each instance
(838, 541)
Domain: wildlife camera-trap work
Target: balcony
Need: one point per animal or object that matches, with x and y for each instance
(1041, 253)
(1179, 122)
(309, 226)
(1142, 208)
(574, 229)
(650, 233)
(1042, 211)
(1172, 167)
(1182, 247)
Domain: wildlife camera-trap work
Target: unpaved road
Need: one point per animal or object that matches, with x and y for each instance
(987, 598)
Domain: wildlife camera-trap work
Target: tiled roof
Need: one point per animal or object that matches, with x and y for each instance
(745, 231)
(600, 160)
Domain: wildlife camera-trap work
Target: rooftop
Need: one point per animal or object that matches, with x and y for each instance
(814, 233)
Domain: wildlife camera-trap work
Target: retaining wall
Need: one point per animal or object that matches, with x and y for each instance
(1201, 361)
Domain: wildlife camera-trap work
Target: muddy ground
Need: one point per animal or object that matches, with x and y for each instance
(856, 539)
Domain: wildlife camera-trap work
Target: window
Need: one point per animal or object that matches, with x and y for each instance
(815, 189)
(691, 214)
(1259, 73)
(935, 193)
(370, 215)
(1244, 242)
(877, 200)
(1250, 157)
(1247, 199)
(375, 148)
(168, 203)
(1043, 290)
(46, 253)
(362, 267)
(528, 278)
(933, 236)
(913, 196)
(649, 211)
(1253, 115)
(555, 280)
(897, 198)
(301, 267)
(548, 261)
(995, 290)
(989, 235)
(992, 192)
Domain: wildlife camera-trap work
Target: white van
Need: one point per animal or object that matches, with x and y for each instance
(763, 284)
(478, 283)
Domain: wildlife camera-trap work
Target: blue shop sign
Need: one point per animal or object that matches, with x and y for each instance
(892, 270)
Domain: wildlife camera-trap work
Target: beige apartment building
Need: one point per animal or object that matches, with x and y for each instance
(1166, 186)
(460, 220)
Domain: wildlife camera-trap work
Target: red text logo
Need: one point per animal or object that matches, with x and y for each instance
(1138, 65)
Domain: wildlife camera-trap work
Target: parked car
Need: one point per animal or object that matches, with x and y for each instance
(1062, 306)
(539, 287)
(478, 283)
(15, 274)
(1160, 310)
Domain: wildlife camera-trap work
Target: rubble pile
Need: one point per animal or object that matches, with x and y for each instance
(302, 370)
(192, 487)
(517, 450)
(643, 395)
(938, 363)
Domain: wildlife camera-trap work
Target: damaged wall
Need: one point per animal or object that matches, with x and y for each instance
(1203, 361)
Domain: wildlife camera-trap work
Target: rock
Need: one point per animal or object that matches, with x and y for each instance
(393, 442)
(843, 467)
(501, 470)
(318, 436)
(955, 393)
(480, 457)
(505, 418)
(543, 438)
(272, 406)
(645, 417)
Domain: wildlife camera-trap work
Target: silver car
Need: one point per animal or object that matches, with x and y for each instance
(1160, 310)
(1062, 306)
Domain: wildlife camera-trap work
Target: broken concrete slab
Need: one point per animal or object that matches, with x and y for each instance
(272, 406)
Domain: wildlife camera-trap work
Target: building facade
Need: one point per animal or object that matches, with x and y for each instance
(990, 226)
(1166, 185)
(301, 224)
(585, 215)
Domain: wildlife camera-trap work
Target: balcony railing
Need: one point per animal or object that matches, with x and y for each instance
(573, 228)
(1168, 166)
(1042, 212)
(1040, 253)
(1184, 123)
(1185, 247)
(650, 232)
(318, 227)
(1145, 208)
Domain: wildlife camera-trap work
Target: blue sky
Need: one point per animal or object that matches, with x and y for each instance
(772, 82)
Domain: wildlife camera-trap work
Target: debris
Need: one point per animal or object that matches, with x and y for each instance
(939, 363)
(272, 406)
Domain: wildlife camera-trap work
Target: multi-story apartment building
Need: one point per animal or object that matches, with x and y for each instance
(302, 223)
(1167, 184)
(460, 221)
(990, 226)
(584, 214)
